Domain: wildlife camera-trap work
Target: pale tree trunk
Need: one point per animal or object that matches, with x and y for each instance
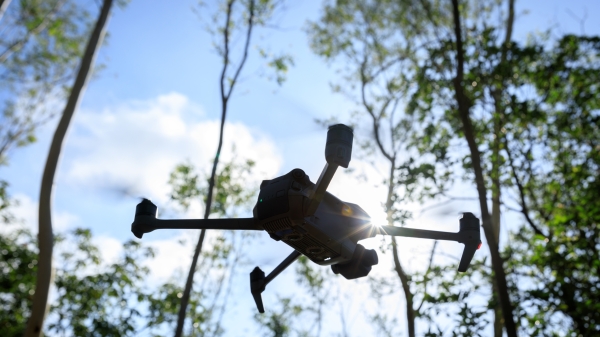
(3, 6)
(45, 236)
(464, 106)
(225, 95)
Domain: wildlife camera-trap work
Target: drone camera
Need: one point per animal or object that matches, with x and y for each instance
(360, 265)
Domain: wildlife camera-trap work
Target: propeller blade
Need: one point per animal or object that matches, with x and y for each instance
(257, 286)
(467, 256)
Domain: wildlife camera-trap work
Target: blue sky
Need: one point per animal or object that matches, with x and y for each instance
(156, 103)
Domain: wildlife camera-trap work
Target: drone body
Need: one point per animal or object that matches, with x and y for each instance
(313, 222)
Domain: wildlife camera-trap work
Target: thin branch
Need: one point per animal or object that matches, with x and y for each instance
(523, 203)
(425, 279)
(369, 109)
(226, 50)
(246, 47)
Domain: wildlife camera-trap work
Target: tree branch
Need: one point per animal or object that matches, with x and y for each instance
(523, 203)
(364, 81)
(246, 47)
(425, 279)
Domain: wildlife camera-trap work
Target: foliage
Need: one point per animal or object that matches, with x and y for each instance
(534, 113)
(561, 251)
(217, 265)
(549, 142)
(106, 302)
(277, 322)
(94, 297)
(40, 48)
(18, 260)
(231, 186)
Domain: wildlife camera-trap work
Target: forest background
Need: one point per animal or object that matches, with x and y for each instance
(148, 122)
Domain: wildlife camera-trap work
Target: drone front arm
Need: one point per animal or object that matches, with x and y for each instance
(146, 224)
(145, 221)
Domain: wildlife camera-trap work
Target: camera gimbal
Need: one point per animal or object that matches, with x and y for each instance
(311, 220)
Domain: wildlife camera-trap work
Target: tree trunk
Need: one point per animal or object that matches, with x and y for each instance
(410, 311)
(464, 114)
(45, 236)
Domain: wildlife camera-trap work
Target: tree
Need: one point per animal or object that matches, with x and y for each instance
(217, 264)
(41, 44)
(94, 298)
(45, 236)
(559, 253)
(366, 40)
(106, 302)
(464, 81)
(243, 15)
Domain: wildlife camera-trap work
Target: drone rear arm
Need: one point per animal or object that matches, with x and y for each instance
(258, 281)
(468, 235)
(419, 233)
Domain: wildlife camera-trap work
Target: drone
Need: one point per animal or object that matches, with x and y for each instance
(314, 222)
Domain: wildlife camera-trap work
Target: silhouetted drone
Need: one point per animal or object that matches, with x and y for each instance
(314, 222)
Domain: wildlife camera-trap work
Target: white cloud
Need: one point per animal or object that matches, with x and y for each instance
(26, 214)
(134, 147)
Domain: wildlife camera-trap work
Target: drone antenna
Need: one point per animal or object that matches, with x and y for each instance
(338, 151)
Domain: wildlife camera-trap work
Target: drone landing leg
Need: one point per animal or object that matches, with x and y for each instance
(258, 281)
